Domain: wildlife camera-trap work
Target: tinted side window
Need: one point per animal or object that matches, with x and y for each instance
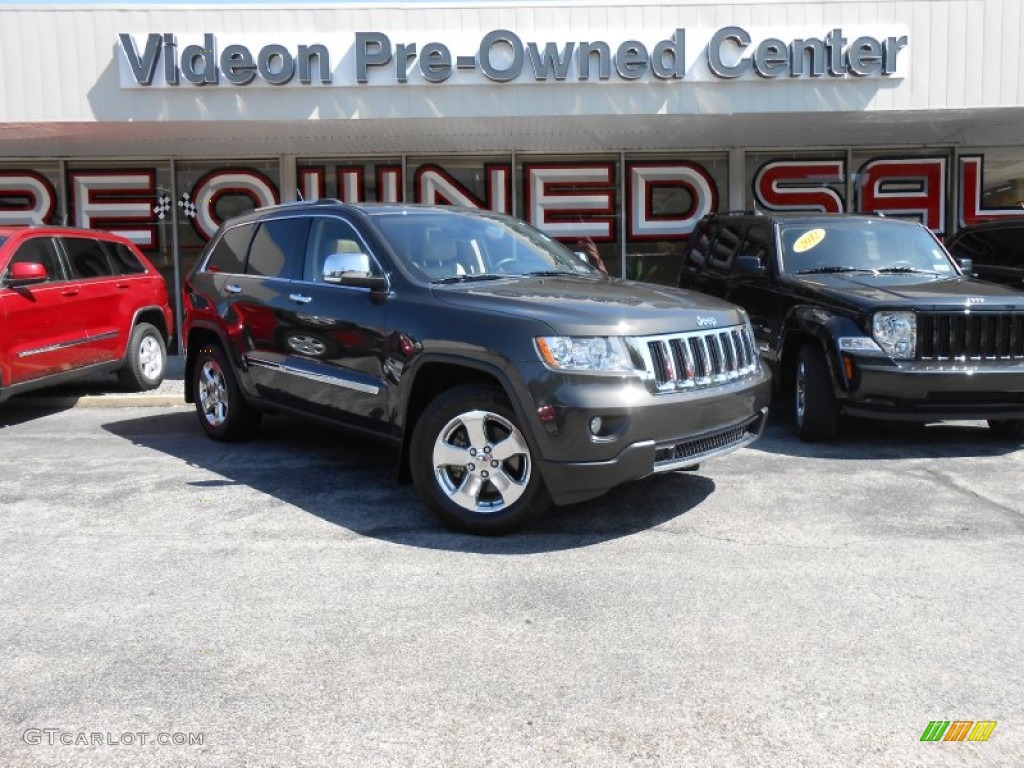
(229, 253)
(330, 235)
(699, 247)
(87, 258)
(758, 242)
(726, 244)
(1008, 247)
(40, 250)
(278, 248)
(125, 262)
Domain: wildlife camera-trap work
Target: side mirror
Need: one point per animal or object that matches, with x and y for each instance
(749, 266)
(26, 273)
(352, 269)
(967, 267)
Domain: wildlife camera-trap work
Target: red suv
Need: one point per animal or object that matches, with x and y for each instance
(75, 302)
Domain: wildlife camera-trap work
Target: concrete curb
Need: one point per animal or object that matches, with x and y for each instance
(101, 391)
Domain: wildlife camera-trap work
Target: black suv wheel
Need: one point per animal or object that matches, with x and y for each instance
(815, 410)
(472, 464)
(223, 412)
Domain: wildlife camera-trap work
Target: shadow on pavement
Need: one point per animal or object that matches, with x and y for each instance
(12, 415)
(863, 439)
(350, 482)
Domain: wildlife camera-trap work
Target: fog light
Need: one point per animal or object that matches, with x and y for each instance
(595, 426)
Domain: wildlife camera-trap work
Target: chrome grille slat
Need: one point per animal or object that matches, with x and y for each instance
(699, 359)
(970, 335)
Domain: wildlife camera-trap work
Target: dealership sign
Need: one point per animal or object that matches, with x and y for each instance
(568, 199)
(502, 56)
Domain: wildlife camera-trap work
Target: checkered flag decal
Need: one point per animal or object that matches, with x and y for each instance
(162, 207)
(187, 206)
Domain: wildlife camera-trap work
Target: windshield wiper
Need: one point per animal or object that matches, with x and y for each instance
(548, 273)
(828, 270)
(467, 278)
(891, 270)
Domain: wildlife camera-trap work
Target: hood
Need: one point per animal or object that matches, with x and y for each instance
(582, 306)
(920, 291)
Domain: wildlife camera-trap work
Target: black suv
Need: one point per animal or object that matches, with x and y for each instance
(507, 371)
(867, 316)
(995, 248)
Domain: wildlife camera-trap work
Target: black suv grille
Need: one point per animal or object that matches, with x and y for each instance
(701, 358)
(967, 335)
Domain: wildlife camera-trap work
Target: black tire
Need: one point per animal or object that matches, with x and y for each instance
(1012, 429)
(465, 496)
(222, 410)
(815, 409)
(145, 359)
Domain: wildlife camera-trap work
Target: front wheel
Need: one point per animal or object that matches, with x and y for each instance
(145, 359)
(815, 409)
(472, 464)
(222, 411)
(1008, 428)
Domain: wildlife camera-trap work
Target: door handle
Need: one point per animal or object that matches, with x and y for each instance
(299, 298)
(69, 292)
(123, 285)
(232, 288)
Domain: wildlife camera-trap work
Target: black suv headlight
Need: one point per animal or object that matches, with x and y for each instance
(896, 333)
(596, 354)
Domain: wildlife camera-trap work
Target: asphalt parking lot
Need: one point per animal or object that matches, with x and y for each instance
(282, 602)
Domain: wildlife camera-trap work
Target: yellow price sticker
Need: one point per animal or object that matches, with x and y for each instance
(808, 240)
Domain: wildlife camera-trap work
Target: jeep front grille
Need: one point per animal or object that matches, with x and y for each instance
(700, 359)
(970, 335)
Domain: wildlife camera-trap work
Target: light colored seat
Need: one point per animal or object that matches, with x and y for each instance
(440, 258)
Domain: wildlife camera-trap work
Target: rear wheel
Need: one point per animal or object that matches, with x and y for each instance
(815, 409)
(472, 464)
(145, 359)
(1009, 428)
(220, 406)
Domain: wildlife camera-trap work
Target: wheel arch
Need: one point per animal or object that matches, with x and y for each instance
(198, 336)
(809, 324)
(153, 315)
(435, 375)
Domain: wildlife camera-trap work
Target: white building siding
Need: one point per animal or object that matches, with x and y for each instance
(60, 64)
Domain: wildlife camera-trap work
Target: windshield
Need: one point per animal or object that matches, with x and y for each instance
(862, 245)
(448, 245)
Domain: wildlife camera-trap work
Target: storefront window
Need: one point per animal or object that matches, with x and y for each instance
(128, 199)
(30, 194)
(666, 195)
(910, 184)
(474, 181)
(796, 181)
(353, 181)
(991, 185)
(576, 200)
(211, 192)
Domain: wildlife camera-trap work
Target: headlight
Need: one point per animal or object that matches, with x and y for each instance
(607, 354)
(896, 333)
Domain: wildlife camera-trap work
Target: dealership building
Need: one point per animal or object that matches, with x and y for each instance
(617, 123)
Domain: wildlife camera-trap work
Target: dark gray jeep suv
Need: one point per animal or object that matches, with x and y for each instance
(507, 371)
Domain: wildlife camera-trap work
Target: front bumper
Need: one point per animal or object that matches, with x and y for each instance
(641, 433)
(930, 391)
